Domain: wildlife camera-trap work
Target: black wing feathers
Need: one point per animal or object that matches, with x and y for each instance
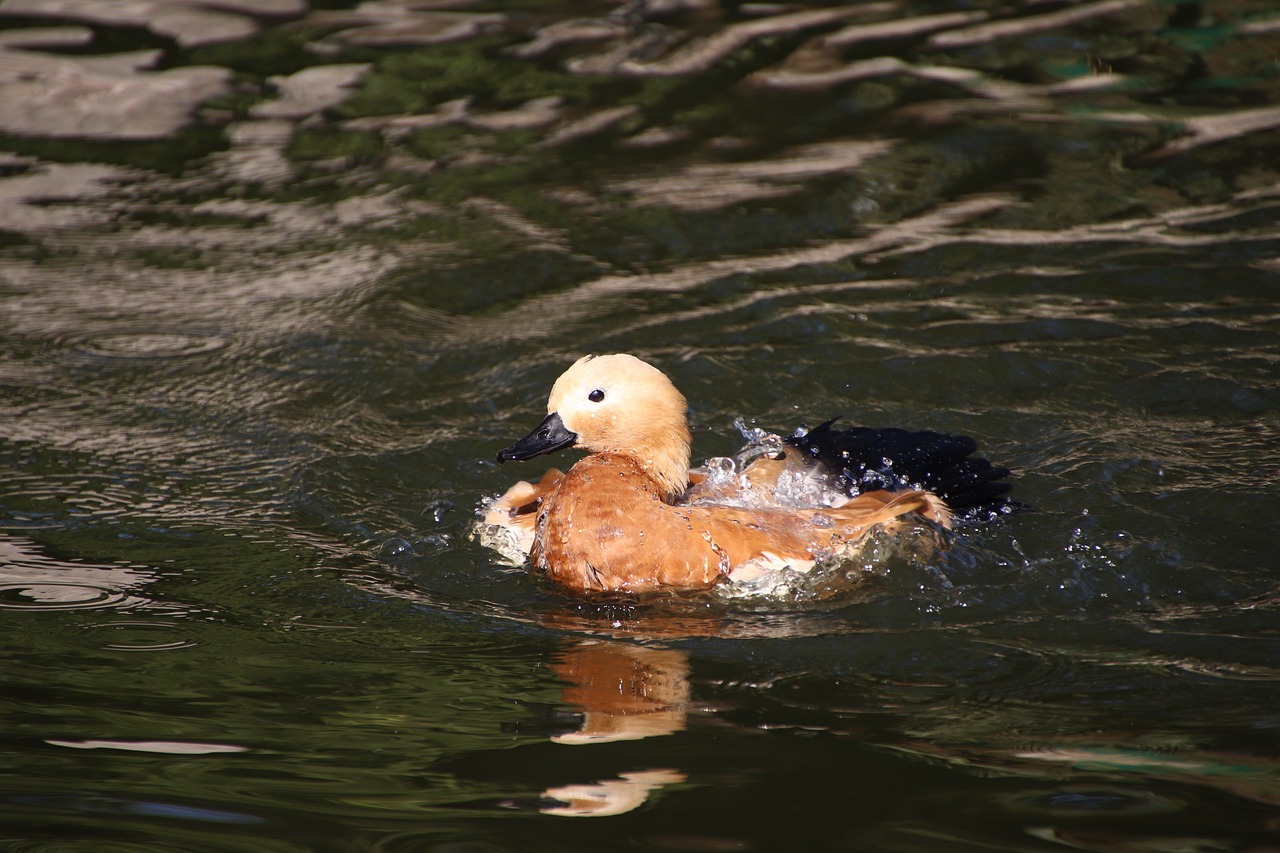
(862, 459)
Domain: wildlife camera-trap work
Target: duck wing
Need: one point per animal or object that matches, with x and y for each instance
(509, 522)
(864, 459)
(799, 537)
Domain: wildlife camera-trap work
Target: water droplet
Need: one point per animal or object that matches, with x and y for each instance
(395, 547)
(439, 509)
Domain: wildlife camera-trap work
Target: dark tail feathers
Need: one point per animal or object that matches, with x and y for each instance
(862, 459)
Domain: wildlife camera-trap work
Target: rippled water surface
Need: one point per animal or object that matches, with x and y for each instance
(278, 281)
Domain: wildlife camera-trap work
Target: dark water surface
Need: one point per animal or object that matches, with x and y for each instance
(277, 282)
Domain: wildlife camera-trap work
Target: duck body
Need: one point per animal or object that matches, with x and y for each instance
(605, 527)
(632, 517)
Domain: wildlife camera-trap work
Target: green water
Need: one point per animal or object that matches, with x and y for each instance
(259, 350)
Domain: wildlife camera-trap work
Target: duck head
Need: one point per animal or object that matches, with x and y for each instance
(615, 404)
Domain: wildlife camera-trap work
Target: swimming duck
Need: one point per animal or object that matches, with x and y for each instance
(632, 517)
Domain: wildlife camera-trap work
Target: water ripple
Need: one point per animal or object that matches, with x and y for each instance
(152, 344)
(61, 596)
(1227, 671)
(136, 636)
(1084, 800)
(32, 580)
(918, 677)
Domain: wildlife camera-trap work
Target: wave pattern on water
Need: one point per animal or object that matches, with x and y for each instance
(278, 281)
(31, 580)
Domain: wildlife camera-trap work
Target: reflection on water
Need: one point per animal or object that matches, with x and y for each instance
(625, 692)
(609, 797)
(31, 580)
(278, 279)
(166, 747)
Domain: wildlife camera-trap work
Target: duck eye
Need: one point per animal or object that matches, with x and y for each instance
(596, 396)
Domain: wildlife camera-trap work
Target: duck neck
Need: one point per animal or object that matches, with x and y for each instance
(667, 464)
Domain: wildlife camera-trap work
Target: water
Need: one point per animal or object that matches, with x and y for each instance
(265, 328)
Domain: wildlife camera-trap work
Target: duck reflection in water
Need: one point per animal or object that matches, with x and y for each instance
(632, 517)
(624, 692)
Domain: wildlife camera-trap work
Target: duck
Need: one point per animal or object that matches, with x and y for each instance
(633, 517)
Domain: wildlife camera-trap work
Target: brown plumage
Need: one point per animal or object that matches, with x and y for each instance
(615, 521)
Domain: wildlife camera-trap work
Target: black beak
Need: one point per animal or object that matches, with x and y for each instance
(548, 437)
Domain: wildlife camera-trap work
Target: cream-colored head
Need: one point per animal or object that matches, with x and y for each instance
(619, 404)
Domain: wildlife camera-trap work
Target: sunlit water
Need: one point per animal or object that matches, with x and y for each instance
(277, 290)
